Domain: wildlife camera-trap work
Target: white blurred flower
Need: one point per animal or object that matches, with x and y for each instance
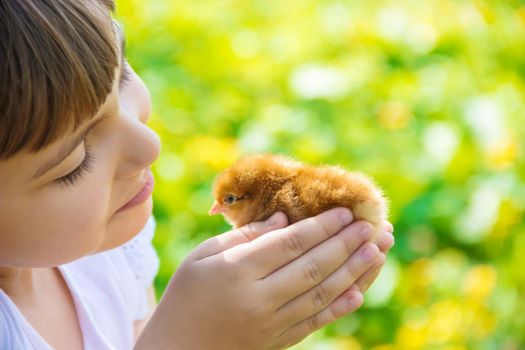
(396, 25)
(383, 288)
(441, 141)
(335, 17)
(255, 138)
(312, 81)
(393, 22)
(486, 117)
(422, 37)
(280, 118)
(473, 224)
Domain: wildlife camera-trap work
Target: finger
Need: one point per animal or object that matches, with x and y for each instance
(385, 242)
(269, 252)
(322, 295)
(346, 303)
(388, 227)
(247, 233)
(365, 281)
(313, 267)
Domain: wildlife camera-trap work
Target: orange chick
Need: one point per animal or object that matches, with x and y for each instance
(257, 186)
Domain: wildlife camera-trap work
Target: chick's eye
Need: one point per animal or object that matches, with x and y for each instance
(229, 199)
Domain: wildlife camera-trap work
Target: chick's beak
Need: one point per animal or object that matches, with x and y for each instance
(216, 208)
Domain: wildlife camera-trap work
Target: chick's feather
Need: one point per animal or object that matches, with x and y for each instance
(257, 186)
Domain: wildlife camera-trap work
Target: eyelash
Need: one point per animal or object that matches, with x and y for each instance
(87, 164)
(73, 177)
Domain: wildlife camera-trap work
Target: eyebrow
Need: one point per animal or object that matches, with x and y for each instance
(70, 145)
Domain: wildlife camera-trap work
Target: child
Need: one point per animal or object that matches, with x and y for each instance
(76, 261)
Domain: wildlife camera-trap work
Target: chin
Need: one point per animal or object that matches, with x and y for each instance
(125, 225)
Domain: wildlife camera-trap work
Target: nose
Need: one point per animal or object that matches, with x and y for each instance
(144, 111)
(135, 99)
(139, 145)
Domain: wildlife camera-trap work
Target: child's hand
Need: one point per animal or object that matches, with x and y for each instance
(265, 285)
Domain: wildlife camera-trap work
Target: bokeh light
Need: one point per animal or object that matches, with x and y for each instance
(425, 96)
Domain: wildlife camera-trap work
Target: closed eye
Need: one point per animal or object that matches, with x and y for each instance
(73, 177)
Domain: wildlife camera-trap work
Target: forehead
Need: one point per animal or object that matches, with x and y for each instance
(103, 45)
(17, 171)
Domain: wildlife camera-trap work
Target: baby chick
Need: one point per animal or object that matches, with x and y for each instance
(259, 185)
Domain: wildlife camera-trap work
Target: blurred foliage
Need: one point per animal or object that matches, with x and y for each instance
(425, 96)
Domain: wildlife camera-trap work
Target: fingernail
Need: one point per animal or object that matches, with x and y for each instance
(369, 253)
(393, 239)
(271, 221)
(354, 302)
(391, 236)
(346, 216)
(385, 241)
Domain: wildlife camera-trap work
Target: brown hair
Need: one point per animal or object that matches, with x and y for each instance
(58, 60)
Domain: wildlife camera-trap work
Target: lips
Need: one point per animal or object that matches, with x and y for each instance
(143, 194)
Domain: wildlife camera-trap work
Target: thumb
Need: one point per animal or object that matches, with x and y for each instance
(244, 234)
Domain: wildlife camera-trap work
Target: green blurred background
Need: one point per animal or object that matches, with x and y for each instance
(425, 96)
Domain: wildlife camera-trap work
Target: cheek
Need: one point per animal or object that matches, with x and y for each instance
(53, 227)
(81, 214)
(85, 209)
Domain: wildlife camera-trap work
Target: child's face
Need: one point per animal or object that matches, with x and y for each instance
(45, 222)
